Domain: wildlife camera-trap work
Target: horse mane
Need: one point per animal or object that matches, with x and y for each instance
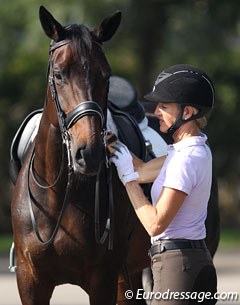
(80, 37)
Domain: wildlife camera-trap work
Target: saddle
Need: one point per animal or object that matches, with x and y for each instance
(23, 138)
(122, 114)
(129, 132)
(127, 112)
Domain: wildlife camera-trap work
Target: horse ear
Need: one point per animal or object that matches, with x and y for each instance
(51, 26)
(108, 27)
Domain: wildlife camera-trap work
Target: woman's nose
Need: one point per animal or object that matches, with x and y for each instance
(157, 111)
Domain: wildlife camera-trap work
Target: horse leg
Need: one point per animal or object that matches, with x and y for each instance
(130, 290)
(137, 260)
(32, 289)
(103, 287)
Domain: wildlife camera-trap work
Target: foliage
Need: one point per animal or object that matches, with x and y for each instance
(230, 239)
(153, 35)
(5, 244)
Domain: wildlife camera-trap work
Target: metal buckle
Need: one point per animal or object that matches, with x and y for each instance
(148, 146)
(162, 248)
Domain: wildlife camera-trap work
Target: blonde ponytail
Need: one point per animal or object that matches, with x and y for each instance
(201, 122)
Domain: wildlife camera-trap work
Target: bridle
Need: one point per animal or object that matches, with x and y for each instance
(81, 110)
(65, 123)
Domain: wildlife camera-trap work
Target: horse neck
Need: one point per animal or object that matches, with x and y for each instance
(48, 146)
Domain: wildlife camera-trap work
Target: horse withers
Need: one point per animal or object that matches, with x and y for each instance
(55, 195)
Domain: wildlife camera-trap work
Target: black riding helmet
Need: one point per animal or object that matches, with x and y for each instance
(187, 86)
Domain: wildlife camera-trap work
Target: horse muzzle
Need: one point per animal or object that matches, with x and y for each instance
(88, 159)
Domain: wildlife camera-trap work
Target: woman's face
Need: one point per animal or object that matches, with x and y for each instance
(167, 114)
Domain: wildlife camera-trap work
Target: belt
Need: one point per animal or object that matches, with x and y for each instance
(163, 245)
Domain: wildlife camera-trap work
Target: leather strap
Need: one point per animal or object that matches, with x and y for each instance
(162, 246)
(83, 109)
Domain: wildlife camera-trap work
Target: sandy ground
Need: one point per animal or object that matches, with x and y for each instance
(227, 264)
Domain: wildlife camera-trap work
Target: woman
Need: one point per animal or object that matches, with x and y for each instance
(181, 264)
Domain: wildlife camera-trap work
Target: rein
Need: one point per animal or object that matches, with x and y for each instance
(65, 123)
(110, 221)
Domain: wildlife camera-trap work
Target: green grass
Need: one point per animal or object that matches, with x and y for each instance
(5, 243)
(230, 239)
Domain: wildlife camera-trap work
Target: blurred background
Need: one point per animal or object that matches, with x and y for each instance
(153, 35)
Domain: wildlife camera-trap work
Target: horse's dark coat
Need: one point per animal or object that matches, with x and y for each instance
(80, 72)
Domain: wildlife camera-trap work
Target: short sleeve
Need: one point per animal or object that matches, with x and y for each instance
(180, 174)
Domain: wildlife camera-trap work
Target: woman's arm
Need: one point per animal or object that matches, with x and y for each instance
(155, 219)
(148, 171)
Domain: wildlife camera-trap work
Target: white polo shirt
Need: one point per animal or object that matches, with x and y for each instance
(188, 168)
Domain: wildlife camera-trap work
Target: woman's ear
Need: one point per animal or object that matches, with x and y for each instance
(188, 112)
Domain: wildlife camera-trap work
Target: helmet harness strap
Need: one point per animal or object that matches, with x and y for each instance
(180, 121)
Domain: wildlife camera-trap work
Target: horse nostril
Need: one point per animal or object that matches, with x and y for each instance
(79, 153)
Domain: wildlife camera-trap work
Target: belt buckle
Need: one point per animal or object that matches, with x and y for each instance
(162, 248)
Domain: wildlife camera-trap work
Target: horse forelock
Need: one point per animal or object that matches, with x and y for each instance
(81, 38)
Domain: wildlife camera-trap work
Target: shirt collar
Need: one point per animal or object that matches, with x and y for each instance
(191, 141)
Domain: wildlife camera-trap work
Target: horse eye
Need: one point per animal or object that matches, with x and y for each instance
(57, 75)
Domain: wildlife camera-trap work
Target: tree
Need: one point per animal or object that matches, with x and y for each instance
(154, 34)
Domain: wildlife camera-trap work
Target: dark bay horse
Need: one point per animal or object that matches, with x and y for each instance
(58, 237)
(55, 195)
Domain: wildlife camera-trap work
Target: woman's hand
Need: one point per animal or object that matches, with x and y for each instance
(123, 161)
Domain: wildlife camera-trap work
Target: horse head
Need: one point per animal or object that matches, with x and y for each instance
(78, 86)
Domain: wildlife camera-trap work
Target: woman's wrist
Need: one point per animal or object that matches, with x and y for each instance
(129, 177)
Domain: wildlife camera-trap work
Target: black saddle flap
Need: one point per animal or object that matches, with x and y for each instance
(129, 132)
